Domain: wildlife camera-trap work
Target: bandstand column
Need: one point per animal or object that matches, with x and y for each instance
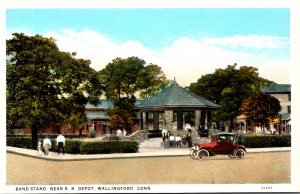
(144, 116)
(169, 119)
(197, 119)
(156, 120)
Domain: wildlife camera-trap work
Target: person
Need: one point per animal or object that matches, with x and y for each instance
(119, 132)
(187, 126)
(47, 145)
(178, 141)
(240, 139)
(189, 137)
(60, 142)
(171, 139)
(164, 134)
(124, 132)
(40, 148)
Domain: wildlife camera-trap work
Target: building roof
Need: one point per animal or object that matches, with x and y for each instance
(176, 97)
(105, 104)
(277, 88)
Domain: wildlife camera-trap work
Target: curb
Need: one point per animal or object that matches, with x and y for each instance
(145, 154)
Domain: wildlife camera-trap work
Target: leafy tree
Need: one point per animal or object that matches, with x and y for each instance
(120, 77)
(122, 116)
(123, 78)
(46, 86)
(228, 88)
(151, 80)
(260, 108)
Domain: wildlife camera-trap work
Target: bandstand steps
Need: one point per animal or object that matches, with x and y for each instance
(152, 143)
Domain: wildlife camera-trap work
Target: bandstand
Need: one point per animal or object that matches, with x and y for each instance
(167, 108)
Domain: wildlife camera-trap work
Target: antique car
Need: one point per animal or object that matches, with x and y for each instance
(221, 143)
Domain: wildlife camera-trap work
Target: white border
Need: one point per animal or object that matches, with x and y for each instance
(294, 6)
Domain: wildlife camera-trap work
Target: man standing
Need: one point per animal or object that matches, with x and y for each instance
(47, 145)
(60, 141)
(164, 134)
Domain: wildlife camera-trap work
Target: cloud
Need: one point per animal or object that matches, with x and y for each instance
(250, 41)
(186, 59)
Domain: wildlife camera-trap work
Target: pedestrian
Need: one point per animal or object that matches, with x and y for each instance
(172, 140)
(189, 137)
(187, 126)
(119, 132)
(164, 134)
(40, 148)
(178, 141)
(47, 145)
(240, 139)
(60, 142)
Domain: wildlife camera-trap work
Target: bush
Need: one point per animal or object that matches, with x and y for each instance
(130, 146)
(53, 136)
(106, 147)
(267, 141)
(20, 142)
(72, 147)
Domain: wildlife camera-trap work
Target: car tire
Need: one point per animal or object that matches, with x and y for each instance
(194, 155)
(202, 154)
(239, 153)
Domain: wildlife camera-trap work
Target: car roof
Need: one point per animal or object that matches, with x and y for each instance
(223, 133)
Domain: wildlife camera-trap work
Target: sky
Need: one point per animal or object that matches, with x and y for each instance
(186, 42)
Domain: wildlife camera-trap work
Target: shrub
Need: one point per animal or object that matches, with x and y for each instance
(72, 147)
(21, 142)
(92, 134)
(130, 146)
(94, 147)
(106, 147)
(267, 141)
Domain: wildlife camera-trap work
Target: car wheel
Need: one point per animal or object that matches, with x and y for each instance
(239, 153)
(202, 154)
(194, 154)
(231, 156)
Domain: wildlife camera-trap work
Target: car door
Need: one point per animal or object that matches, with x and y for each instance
(223, 146)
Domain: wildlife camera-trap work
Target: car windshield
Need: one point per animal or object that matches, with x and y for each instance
(223, 137)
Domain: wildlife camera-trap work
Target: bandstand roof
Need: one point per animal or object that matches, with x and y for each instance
(175, 97)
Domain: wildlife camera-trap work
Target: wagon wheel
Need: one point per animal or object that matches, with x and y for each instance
(202, 154)
(194, 154)
(239, 153)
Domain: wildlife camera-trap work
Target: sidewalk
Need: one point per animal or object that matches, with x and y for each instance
(142, 152)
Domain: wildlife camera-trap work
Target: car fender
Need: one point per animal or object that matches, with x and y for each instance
(240, 147)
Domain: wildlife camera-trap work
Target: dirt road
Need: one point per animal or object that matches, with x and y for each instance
(272, 167)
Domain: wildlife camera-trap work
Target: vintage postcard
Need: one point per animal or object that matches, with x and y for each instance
(194, 96)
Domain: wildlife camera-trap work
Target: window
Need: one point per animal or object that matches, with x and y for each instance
(289, 96)
(289, 109)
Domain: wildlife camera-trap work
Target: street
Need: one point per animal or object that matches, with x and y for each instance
(272, 167)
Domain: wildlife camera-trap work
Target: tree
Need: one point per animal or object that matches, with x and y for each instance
(125, 77)
(122, 115)
(46, 86)
(151, 80)
(228, 88)
(261, 108)
(120, 77)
